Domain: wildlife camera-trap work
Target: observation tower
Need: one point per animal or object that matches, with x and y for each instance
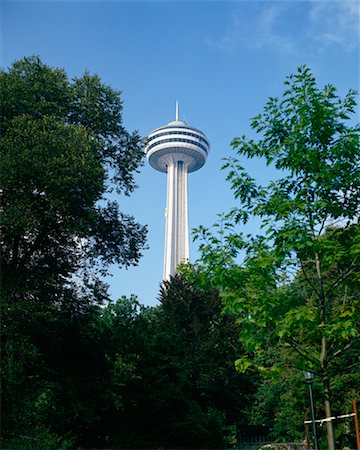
(176, 149)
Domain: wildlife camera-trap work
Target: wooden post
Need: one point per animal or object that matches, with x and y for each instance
(356, 425)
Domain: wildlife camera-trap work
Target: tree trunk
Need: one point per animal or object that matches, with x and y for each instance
(323, 360)
(325, 380)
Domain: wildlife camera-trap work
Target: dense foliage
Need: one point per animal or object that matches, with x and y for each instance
(125, 376)
(295, 287)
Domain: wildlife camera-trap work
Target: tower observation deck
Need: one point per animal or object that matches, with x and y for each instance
(176, 149)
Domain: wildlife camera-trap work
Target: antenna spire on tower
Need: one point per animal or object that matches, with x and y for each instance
(177, 111)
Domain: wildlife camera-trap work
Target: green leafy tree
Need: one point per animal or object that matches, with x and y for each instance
(63, 149)
(62, 143)
(298, 283)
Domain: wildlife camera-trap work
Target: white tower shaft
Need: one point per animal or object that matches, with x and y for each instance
(177, 223)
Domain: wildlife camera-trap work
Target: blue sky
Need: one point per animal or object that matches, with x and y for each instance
(220, 59)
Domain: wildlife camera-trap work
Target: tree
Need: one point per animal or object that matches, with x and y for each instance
(300, 276)
(62, 143)
(63, 149)
(205, 341)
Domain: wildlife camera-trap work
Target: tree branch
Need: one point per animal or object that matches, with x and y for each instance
(342, 277)
(322, 226)
(308, 356)
(308, 279)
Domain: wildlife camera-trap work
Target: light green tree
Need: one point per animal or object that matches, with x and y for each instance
(298, 283)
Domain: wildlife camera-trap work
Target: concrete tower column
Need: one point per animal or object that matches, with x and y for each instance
(177, 222)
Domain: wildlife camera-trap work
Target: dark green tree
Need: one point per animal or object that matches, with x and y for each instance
(297, 282)
(63, 149)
